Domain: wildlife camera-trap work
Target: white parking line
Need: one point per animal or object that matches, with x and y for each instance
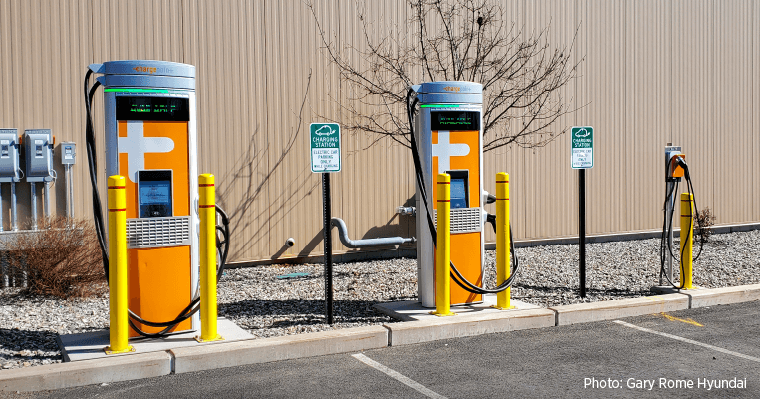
(715, 348)
(398, 376)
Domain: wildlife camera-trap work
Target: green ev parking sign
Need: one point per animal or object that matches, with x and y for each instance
(324, 141)
(582, 155)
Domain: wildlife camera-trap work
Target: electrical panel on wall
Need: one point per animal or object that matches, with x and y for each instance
(9, 169)
(38, 145)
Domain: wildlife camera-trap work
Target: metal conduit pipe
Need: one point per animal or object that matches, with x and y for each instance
(375, 242)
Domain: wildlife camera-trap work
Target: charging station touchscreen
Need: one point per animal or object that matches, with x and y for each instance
(155, 193)
(458, 194)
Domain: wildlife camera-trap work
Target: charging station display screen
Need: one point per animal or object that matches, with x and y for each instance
(155, 193)
(454, 120)
(458, 193)
(152, 109)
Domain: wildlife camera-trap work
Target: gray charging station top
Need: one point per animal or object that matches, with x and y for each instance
(449, 92)
(146, 73)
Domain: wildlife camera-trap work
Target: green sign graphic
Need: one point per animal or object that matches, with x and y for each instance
(324, 141)
(582, 152)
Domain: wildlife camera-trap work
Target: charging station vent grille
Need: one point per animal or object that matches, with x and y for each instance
(158, 232)
(463, 220)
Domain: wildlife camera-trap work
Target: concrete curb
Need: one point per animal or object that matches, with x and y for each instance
(413, 332)
(607, 310)
(86, 372)
(264, 350)
(722, 296)
(229, 354)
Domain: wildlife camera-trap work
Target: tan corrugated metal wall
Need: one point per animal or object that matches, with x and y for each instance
(682, 71)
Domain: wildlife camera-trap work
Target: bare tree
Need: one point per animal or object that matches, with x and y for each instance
(457, 40)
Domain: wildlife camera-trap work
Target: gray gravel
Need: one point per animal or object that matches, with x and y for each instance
(266, 306)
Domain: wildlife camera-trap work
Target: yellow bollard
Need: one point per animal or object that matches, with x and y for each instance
(207, 213)
(687, 230)
(117, 266)
(503, 256)
(443, 247)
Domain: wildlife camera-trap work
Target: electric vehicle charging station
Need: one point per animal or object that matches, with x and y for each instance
(10, 172)
(38, 146)
(448, 130)
(673, 175)
(150, 130)
(676, 168)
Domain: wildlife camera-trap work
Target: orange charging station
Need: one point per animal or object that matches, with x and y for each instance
(150, 121)
(448, 131)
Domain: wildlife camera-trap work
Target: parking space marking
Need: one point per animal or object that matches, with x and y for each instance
(687, 321)
(398, 376)
(689, 341)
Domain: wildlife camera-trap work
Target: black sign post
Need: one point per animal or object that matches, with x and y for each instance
(328, 248)
(582, 158)
(324, 140)
(582, 227)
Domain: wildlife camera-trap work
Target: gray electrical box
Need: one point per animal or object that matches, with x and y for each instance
(68, 153)
(9, 170)
(38, 145)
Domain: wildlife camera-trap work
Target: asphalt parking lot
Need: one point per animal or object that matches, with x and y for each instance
(704, 352)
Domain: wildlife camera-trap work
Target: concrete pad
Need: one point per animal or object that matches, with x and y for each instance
(431, 329)
(263, 350)
(666, 289)
(721, 296)
(607, 310)
(413, 310)
(84, 346)
(66, 375)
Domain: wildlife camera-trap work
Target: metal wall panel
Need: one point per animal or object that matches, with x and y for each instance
(654, 72)
(754, 86)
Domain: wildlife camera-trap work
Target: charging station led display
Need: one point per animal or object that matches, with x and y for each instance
(152, 109)
(454, 120)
